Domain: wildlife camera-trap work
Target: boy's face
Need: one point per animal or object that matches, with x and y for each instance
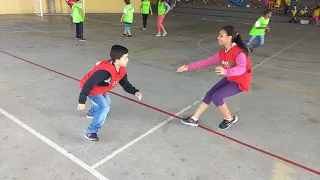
(269, 15)
(123, 61)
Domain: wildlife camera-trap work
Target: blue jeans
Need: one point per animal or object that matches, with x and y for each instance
(99, 111)
(258, 44)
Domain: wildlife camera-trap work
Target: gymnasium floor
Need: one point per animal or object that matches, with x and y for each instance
(42, 133)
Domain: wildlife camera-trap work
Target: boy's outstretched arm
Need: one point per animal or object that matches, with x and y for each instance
(127, 86)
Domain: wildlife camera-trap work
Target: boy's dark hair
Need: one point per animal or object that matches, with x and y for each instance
(127, 2)
(267, 11)
(117, 51)
(236, 38)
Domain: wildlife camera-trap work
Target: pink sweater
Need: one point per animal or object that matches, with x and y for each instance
(215, 59)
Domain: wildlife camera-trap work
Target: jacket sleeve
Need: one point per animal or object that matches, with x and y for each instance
(96, 78)
(126, 85)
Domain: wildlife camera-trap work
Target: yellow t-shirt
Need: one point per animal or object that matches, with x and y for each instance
(303, 11)
(294, 12)
(316, 12)
(288, 2)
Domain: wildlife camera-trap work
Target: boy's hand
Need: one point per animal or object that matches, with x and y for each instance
(151, 14)
(139, 95)
(81, 107)
(268, 29)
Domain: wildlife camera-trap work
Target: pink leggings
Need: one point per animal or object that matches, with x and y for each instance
(160, 19)
(316, 18)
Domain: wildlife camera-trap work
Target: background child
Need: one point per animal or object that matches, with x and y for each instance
(78, 18)
(127, 18)
(293, 13)
(316, 13)
(236, 66)
(145, 8)
(99, 81)
(258, 30)
(163, 9)
(304, 11)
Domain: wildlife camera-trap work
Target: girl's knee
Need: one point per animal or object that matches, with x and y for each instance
(217, 99)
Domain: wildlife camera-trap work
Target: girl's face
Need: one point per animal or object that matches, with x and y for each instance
(223, 38)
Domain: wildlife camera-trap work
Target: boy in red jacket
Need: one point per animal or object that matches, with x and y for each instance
(100, 80)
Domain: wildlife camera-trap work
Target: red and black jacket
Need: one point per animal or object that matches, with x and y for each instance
(103, 78)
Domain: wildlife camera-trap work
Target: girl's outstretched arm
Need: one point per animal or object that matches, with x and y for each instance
(215, 59)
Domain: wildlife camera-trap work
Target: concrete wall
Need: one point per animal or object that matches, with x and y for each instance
(92, 6)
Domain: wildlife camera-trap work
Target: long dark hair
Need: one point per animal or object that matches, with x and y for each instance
(236, 38)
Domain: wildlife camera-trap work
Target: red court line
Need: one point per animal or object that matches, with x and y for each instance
(170, 114)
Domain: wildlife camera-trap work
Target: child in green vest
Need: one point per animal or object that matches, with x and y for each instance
(145, 8)
(78, 18)
(163, 9)
(258, 30)
(127, 18)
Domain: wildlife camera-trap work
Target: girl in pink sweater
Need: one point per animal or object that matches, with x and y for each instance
(236, 67)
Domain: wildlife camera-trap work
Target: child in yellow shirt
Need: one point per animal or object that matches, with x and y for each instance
(315, 15)
(304, 11)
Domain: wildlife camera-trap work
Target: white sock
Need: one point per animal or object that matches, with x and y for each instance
(194, 118)
(229, 119)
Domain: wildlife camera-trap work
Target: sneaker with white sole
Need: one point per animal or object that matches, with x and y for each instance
(92, 136)
(164, 33)
(189, 121)
(225, 124)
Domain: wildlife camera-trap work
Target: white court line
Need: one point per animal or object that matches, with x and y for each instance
(308, 72)
(199, 45)
(107, 158)
(54, 146)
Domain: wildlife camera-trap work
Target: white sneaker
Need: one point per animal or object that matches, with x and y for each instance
(158, 34)
(164, 33)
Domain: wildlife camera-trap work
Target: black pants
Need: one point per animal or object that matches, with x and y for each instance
(79, 30)
(144, 18)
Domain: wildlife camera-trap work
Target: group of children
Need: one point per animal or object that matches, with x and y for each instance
(234, 58)
(145, 9)
(77, 16)
(293, 11)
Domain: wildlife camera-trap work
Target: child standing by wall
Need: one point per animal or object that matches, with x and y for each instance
(78, 18)
(98, 82)
(163, 9)
(127, 18)
(258, 30)
(145, 8)
(236, 67)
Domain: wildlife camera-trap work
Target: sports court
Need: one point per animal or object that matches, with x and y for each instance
(42, 133)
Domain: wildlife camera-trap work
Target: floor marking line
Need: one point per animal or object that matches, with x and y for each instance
(107, 158)
(54, 145)
(266, 60)
(168, 113)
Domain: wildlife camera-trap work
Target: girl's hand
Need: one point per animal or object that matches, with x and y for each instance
(182, 68)
(220, 70)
